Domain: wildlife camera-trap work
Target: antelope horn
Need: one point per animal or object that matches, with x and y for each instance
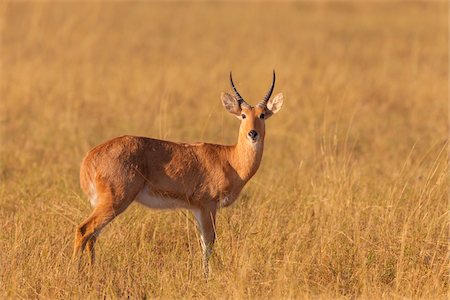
(239, 98)
(263, 103)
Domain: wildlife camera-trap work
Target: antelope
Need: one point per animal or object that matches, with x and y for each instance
(199, 177)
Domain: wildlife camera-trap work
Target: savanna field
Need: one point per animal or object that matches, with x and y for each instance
(350, 201)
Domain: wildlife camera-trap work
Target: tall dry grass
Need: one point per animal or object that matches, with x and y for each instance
(351, 197)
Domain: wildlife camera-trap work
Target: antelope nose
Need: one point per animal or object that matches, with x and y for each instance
(253, 134)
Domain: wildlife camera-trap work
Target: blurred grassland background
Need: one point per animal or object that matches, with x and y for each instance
(350, 199)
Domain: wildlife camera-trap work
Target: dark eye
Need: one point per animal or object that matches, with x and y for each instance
(243, 116)
(261, 116)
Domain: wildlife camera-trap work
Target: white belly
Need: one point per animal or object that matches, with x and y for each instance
(158, 202)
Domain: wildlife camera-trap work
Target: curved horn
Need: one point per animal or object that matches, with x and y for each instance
(239, 98)
(263, 103)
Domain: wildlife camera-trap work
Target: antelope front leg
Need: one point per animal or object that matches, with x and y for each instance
(206, 223)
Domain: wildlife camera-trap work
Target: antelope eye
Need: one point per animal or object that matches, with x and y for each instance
(261, 116)
(243, 116)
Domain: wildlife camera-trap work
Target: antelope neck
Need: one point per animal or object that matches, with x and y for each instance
(245, 157)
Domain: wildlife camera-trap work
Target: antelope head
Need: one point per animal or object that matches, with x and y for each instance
(253, 118)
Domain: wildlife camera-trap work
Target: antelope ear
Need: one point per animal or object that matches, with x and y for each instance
(274, 105)
(230, 103)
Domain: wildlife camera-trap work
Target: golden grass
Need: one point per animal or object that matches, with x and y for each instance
(351, 197)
